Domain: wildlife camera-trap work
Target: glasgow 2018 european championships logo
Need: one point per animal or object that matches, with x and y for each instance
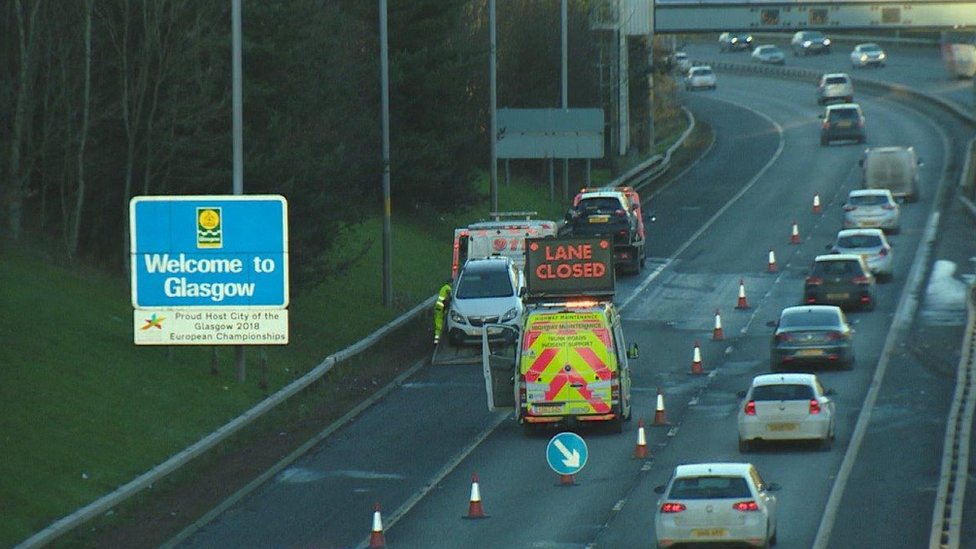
(209, 228)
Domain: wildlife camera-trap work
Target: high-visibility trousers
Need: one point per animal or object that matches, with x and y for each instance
(438, 320)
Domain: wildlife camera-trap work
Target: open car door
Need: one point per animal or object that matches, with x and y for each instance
(498, 363)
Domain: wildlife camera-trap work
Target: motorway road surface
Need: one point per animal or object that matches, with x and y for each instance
(415, 451)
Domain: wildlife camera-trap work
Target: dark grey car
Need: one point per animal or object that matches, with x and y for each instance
(844, 280)
(841, 122)
(811, 334)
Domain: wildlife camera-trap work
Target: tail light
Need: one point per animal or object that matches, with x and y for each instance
(860, 122)
(834, 336)
(672, 507)
(783, 338)
(862, 280)
(814, 281)
(620, 213)
(615, 389)
(746, 506)
(883, 252)
(814, 406)
(750, 408)
(521, 392)
(826, 125)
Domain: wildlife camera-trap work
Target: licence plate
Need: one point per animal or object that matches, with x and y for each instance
(844, 124)
(809, 352)
(838, 296)
(599, 218)
(547, 408)
(709, 532)
(779, 427)
(869, 223)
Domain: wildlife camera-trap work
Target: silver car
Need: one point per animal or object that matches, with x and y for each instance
(716, 503)
(487, 291)
(868, 55)
(872, 245)
(872, 208)
(768, 53)
(835, 86)
(789, 406)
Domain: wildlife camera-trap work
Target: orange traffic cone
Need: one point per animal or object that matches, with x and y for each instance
(641, 451)
(816, 203)
(659, 417)
(475, 510)
(771, 267)
(717, 332)
(696, 361)
(795, 237)
(376, 538)
(742, 304)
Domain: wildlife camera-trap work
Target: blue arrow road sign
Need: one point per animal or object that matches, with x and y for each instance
(566, 453)
(209, 251)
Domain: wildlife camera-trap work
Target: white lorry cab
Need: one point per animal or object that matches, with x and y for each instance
(503, 235)
(567, 363)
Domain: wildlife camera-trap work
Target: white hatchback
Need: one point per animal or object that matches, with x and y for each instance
(788, 406)
(872, 208)
(487, 291)
(700, 77)
(872, 245)
(716, 503)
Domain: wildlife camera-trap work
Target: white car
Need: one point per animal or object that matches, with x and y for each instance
(682, 62)
(768, 53)
(872, 208)
(716, 503)
(788, 406)
(867, 55)
(487, 291)
(701, 76)
(872, 245)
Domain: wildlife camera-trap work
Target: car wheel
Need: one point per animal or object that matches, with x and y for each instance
(744, 446)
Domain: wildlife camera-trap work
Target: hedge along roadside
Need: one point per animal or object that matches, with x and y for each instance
(645, 171)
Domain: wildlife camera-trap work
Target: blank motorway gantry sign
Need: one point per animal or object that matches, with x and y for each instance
(550, 133)
(209, 270)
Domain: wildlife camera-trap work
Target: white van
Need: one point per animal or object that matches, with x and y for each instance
(892, 168)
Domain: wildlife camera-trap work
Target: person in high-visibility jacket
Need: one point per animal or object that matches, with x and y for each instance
(440, 309)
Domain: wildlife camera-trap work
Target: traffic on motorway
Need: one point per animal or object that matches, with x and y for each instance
(755, 366)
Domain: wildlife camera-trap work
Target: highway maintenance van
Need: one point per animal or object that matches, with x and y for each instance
(504, 235)
(567, 362)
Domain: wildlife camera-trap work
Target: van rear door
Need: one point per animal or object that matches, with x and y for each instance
(498, 365)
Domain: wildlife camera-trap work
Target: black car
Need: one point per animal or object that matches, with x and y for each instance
(840, 279)
(844, 121)
(807, 42)
(731, 41)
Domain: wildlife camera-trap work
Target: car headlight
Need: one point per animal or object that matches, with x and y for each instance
(882, 55)
(806, 43)
(864, 57)
(457, 317)
(826, 41)
(510, 314)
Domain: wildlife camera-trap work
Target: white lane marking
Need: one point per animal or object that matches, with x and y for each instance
(900, 323)
(779, 150)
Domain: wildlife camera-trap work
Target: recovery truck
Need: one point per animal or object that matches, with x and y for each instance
(504, 235)
(567, 362)
(613, 212)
